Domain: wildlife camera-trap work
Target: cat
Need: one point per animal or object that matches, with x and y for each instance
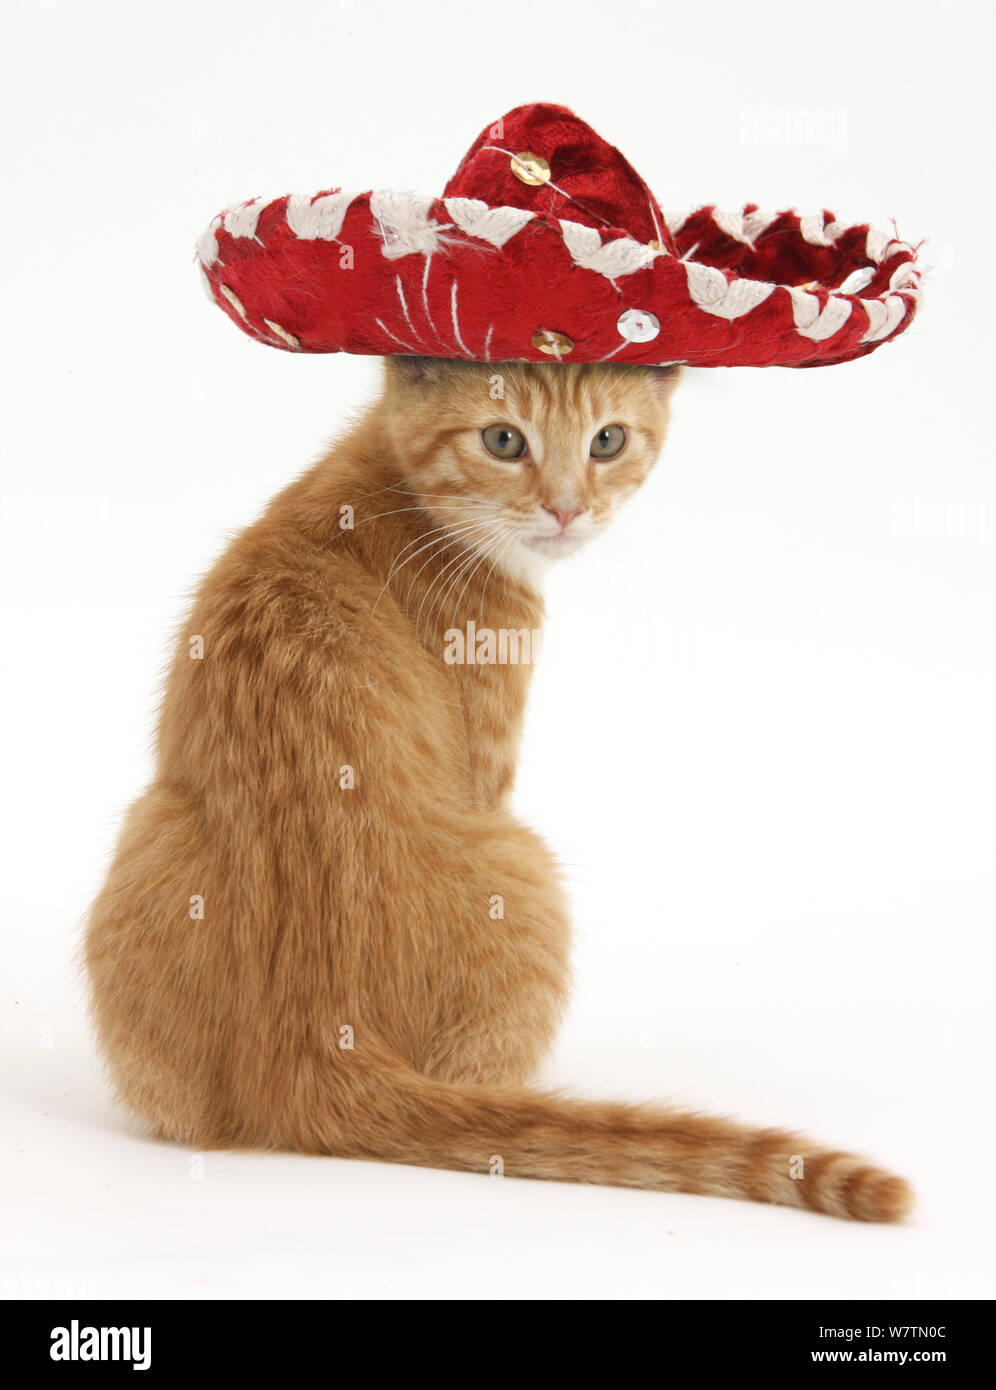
(323, 930)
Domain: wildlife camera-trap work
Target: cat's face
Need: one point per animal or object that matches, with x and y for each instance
(526, 460)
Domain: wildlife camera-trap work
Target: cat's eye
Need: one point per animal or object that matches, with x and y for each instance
(608, 442)
(504, 441)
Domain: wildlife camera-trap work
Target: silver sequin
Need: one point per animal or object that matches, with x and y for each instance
(638, 325)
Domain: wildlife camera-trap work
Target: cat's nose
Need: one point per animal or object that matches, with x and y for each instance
(564, 515)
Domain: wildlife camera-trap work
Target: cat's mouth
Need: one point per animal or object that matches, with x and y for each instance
(555, 543)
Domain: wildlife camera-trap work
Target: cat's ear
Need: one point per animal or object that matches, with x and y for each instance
(410, 371)
(407, 370)
(666, 376)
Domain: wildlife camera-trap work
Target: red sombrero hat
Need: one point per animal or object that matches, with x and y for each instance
(547, 244)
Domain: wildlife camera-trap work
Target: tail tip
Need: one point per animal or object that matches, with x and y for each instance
(883, 1197)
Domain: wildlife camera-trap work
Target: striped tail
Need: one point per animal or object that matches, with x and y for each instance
(415, 1119)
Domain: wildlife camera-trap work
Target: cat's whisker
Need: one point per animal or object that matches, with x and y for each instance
(479, 548)
(441, 496)
(460, 534)
(472, 551)
(499, 565)
(397, 511)
(501, 534)
(395, 568)
(624, 566)
(388, 487)
(467, 572)
(423, 536)
(451, 537)
(499, 555)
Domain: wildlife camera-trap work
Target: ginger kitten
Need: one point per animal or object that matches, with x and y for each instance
(323, 929)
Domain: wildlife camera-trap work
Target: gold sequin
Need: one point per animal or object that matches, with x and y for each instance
(554, 344)
(288, 338)
(655, 245)
(233, 299)
(530, 168)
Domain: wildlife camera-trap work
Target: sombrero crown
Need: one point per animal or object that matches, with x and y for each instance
(547, 244)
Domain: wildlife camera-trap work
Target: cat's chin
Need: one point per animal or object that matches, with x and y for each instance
(520, 561)
(529, 559)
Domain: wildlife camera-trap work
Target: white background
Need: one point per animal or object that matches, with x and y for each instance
(762, 734)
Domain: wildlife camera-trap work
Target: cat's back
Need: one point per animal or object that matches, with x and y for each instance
(294, 632)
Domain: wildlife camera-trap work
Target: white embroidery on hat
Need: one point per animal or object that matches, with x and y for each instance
(242, 219)
(405, 225)
(207, 247)
(876, 243)
(884, 316)
(620, 257)
(727, 299)
(384, 328)
(812, 321)
(658, 234)
(318, 219)
(477, 219)
(857, 281)
(905, 277)
(756, 223)
(404, 307)
(425, 296)
(456, 322)
(813, 229)
(731, 224)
